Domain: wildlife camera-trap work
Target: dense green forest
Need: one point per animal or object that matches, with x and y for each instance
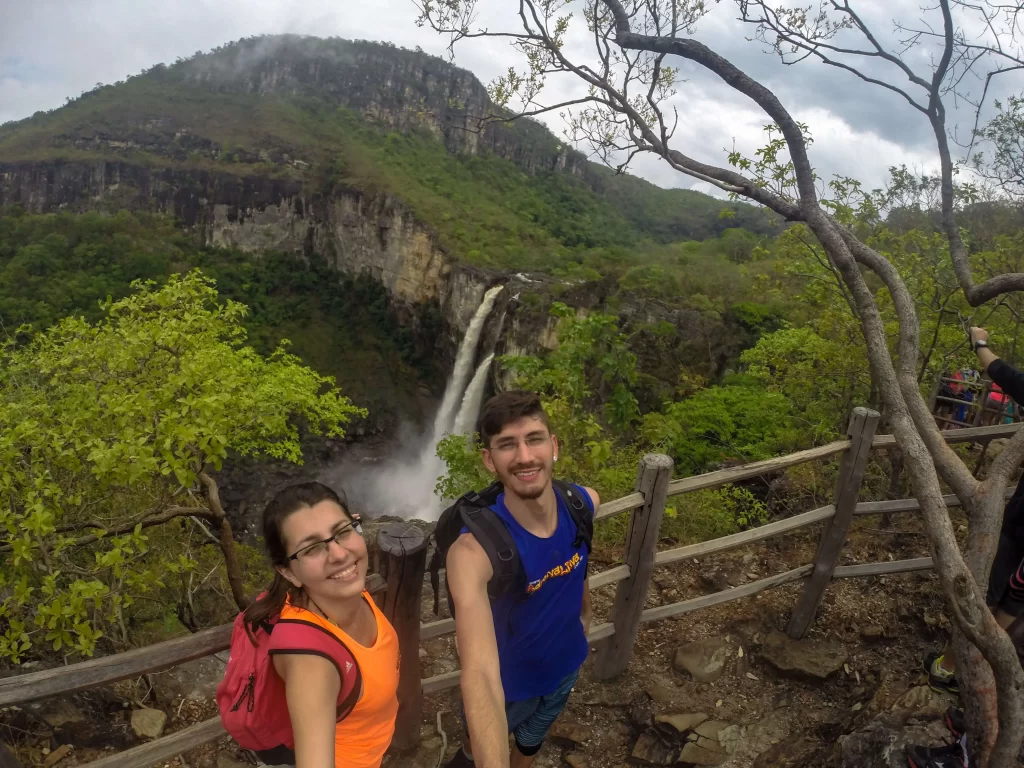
(56, 265)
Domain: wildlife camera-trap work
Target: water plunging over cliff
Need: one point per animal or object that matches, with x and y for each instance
(465, 422)
(403, 483)
(453, 393)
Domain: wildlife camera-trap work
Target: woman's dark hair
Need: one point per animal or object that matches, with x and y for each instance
(285, 503)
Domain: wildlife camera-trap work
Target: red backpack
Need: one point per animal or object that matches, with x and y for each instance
(251, 697)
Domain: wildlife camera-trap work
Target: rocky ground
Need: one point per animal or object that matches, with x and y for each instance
(721, 686)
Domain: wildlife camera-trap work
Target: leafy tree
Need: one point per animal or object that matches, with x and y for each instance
(820, 379)
(735, 423)
(109, 433)
(706, 515)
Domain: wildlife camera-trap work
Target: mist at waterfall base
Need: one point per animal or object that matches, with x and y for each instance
(402, 482)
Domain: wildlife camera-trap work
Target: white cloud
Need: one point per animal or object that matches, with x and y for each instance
(65, 47)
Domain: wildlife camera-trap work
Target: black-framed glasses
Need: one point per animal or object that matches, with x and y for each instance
(318, 549)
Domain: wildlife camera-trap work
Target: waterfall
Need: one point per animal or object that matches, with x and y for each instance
(453, 393)
(402, 482)
(465, 422)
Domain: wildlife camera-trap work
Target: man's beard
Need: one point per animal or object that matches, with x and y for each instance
(531, 492)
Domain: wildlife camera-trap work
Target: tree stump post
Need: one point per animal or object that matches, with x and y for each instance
(653, 478)
(863, 423)
(402, 562)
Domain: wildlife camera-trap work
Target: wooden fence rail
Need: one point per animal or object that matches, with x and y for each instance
(402, 551)
(121, 666)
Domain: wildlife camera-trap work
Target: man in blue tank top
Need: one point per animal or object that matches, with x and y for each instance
(521, 655)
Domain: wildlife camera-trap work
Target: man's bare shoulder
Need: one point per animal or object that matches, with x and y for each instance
(467, 560)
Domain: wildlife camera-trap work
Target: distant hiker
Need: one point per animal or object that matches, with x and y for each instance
(517, 578)
(1005, 597)
(313, 676)
(997, 406)
(1006, 581)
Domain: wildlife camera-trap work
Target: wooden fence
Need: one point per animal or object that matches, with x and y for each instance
(398, 585)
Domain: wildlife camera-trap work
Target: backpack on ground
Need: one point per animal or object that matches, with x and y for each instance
(251, 697)
(473, 512)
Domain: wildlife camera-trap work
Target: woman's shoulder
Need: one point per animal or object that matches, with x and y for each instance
(292, 611)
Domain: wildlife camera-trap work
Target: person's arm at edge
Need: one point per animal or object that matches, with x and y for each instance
(587, 613)
(1001, 372)
(311, 686)
(483, 697)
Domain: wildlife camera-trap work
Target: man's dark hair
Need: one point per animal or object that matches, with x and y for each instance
(507, 407)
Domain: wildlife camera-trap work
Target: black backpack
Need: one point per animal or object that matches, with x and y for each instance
(473, 512)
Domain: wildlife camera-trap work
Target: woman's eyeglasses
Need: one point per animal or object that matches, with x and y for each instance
(318, 549)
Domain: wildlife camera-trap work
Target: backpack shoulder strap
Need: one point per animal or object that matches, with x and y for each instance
(494, 537)
(449, 527)
(580, 510)
(296, 636)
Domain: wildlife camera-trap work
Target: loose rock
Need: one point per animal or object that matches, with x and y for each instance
(703, 659)
(873, 632)
(194, 680)
(710, 729)
(682, 722)
(788, 754)
(576, 760)
(148, 723)
(883, 741)
(651, 748)
(570, 730)
(732, 738)
(665, 695)
(697, 755)
(716, 581)
(814, 659)
(641, 714)
(923, 702)
(57, 755)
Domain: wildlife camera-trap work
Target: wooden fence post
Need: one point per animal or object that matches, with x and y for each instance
(979, 418)
(863, 423)
(402, 561)
(641, 543)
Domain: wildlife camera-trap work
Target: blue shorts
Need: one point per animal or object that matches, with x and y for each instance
(530, 719)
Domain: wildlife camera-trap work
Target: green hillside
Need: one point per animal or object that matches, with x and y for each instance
(485, 209)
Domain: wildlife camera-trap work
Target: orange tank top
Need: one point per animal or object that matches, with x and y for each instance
(361, 739)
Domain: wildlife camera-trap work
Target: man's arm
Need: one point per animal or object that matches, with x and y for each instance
(587, 614)
(483, 697)
(1001, 372)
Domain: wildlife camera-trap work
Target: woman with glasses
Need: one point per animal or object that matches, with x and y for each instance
(318, 551)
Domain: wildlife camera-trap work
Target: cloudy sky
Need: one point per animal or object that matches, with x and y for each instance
(54, 49)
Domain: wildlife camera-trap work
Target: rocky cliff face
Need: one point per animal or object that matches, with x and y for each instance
(393, 87)
(375, 234)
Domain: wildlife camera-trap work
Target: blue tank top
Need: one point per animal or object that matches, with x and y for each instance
(540, 636)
